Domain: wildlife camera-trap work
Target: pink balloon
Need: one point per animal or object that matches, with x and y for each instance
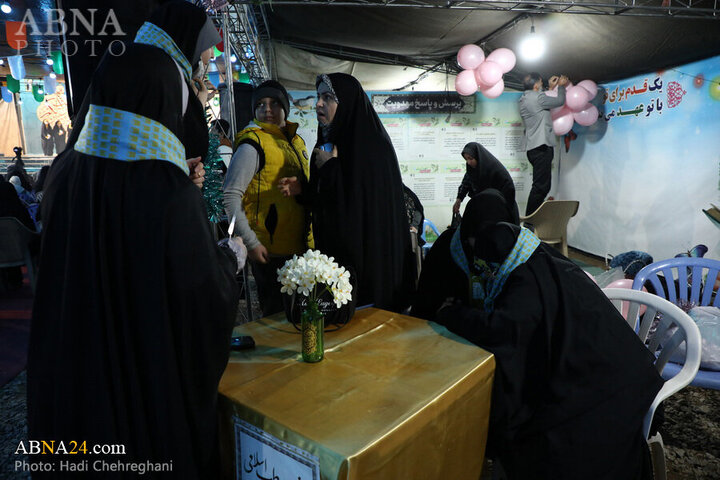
(576, 98)
(587, 116)
(554, 112)
(626, 283)
(465, 83)
(489, 72)
(503, 57)
(470, 56)
(590, 86)
(495, 90)
(560, 112)
(622, 283)
(563, 124)
(481, 85)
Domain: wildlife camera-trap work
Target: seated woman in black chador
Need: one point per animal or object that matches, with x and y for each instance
(484, 171)
(572, 381)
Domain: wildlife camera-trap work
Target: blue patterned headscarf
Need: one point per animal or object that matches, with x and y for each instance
(487, 284)
(150, 34)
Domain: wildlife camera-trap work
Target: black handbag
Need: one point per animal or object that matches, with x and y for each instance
(456, 219)
(335, 318)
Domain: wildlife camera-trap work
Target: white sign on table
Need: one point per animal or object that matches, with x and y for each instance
(260, 456)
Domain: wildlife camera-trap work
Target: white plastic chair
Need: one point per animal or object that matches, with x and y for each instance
(700, 275)
(550, 222)
(687, 331)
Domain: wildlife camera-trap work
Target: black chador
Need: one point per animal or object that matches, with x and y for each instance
(135, 302)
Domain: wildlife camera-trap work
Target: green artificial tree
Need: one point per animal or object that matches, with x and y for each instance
(212, 186)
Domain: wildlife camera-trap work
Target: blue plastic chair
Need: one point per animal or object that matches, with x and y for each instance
(699, 276)
(428, 245)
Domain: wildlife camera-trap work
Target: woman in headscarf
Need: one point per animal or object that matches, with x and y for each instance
(135, 303)
(59, 135)
(484, 171)
(572, 381)
(46, 138)
(356, 192)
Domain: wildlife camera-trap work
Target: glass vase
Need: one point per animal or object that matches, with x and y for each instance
(312, 323)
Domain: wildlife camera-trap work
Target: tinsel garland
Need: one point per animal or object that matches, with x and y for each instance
(212, 186)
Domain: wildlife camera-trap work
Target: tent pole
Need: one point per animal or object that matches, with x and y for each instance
(229, 82)
(18, 111)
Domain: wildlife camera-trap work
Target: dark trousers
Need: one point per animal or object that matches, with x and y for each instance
(268, 287)
(541, 161)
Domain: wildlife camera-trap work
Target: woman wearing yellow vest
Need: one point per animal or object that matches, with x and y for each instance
(273, 226)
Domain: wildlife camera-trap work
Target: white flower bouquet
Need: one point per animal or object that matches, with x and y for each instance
(313, 274)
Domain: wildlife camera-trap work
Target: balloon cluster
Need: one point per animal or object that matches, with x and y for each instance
(577, 107)
(483, 73)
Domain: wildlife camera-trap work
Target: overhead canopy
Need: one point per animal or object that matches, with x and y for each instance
(297, 70)
(601, 47)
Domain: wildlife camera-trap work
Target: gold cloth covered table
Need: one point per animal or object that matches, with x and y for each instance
(395, 398)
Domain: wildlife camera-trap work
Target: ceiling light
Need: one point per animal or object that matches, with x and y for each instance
(2, 62)
(533, 46)
(52, 75)
(233, 58)
(5, 8)
(49, 61)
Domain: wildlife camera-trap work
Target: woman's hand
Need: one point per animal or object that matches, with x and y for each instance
(456, 206)
(289, 186)
(321, 156)
(197, 172)
(200, 90)
(212, 91)
(259, 254)
(237, 246)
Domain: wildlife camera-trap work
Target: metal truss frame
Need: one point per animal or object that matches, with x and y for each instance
(699, 9)
(250, 38)
(247, 36)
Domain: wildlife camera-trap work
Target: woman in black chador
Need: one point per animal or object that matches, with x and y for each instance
(572, 381)
(135, 303)
(46, 138)
(59, 135)
(358, 206)
(484, 171)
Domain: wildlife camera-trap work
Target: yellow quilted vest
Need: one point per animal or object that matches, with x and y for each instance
(279, 222)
